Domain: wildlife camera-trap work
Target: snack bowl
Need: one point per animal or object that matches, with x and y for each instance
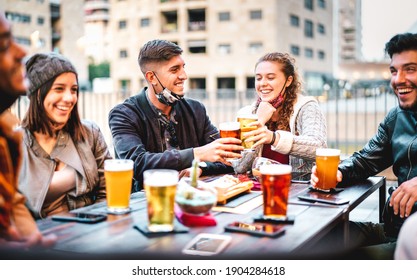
(195, 200)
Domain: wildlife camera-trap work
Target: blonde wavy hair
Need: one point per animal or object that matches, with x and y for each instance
(288, 67)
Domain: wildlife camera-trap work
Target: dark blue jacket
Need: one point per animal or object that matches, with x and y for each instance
(136, 135)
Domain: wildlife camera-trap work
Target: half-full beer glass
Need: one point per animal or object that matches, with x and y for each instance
(118, 174)
(327, 161)
(160, 187)
(276, 182)
(244, 121)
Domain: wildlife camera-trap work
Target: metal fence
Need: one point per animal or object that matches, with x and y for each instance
(352, 114)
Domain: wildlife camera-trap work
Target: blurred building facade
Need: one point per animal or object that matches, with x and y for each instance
(222, 40)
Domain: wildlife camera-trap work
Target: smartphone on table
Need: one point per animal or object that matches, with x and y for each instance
(79, 217)
(207, 244)
(316, 196)
(259, 229)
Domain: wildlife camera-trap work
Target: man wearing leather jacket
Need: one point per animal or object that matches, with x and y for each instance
(394, 144)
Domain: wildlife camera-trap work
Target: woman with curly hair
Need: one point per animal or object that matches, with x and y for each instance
(290, 125)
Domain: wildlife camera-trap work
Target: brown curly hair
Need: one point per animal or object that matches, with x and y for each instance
(287, 107)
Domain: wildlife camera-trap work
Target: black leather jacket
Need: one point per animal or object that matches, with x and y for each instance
(136, 135)
(395, 143)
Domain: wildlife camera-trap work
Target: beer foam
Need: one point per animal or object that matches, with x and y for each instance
(118, 164)
(248, 116)
(327, 152)
(275, 169)
(229, 126)
(161, 177)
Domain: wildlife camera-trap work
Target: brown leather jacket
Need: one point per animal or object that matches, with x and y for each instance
(12, 204)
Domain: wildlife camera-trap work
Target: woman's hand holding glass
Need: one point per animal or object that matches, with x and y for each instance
(261, 135)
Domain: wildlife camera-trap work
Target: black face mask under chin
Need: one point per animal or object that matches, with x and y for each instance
(166, 96)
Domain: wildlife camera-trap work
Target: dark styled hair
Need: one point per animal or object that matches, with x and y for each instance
(157, 51)
(36, 119)
(288, 67)
(400, 43)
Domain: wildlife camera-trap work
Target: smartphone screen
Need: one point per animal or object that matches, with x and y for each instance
(79, 217)
(271, 230)
(301, 177)
(329, 198)
(207, 244)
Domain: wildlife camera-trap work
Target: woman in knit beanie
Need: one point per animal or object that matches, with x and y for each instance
(63, 156)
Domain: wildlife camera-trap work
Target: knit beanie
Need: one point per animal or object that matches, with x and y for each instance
(42, 67)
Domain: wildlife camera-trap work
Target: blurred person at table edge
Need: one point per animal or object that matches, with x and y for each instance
(63, 164)
(394, 144)
(17, 226)
(160, 128)
(290, 125)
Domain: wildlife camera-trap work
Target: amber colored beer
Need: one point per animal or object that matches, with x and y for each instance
(118, 174)
(160, 187)
(229, 129)
(244, 121)
(276, 182)
(327, 161)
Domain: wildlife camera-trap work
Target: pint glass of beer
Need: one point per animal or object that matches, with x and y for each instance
(229, 129)
(327, 161)
(160, 187)
(276, 182)
(244, 121)
(118, 174)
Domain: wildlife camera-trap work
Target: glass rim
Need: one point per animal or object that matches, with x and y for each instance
(275, 169)
(327, 152)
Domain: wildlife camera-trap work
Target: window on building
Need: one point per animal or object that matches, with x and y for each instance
(122, 24)
(226, 88)
(295, 50)
(255, 47)
(197, 46)
(197, 88)
(322, 55)
(250, 87)
(145, 22)
(224, 48)
(22, 41)
(308, 28)
(321, 29)
(169, 22)
(124, 86)
(294, 20)
(41, 20)
(224, 16)
(256, 14)
(196, 19)
(123, 54)
(308, 52)
(18, 17)
(322, 4)
(308, 4)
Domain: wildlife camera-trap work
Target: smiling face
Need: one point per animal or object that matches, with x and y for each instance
(404, 78)
(171, 74)
(61, 99)
(270, 80)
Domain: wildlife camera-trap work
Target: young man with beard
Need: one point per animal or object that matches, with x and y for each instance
(395, 144)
